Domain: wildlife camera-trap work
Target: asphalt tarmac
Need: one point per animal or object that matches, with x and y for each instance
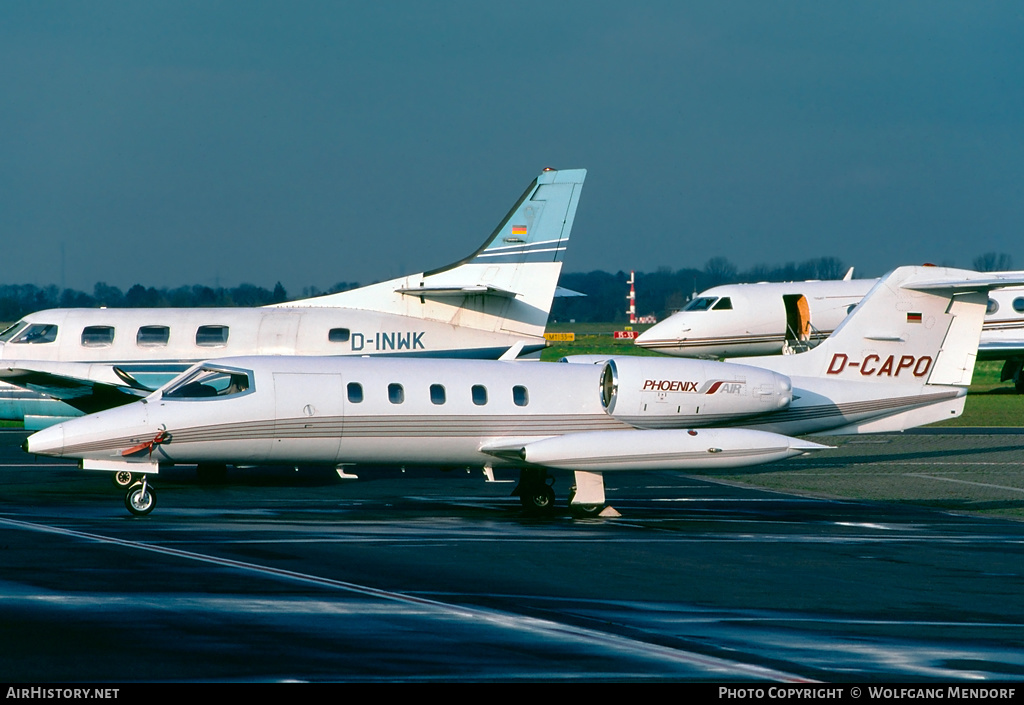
(279, 575)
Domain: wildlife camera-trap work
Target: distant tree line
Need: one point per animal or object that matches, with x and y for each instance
(663, 292)
(17, 300)
(660, 293)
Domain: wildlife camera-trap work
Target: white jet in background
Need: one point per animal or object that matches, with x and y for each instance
(904, 358)
(492, 303)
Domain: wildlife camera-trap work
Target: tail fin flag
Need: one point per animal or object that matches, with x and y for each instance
(507, 284)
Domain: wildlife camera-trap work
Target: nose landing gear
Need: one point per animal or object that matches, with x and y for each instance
(140, 498)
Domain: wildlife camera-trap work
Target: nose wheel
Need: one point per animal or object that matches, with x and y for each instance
(140, 498)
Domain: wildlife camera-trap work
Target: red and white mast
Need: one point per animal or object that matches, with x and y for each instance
(632, 300)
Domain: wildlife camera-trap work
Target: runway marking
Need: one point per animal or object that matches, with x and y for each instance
(929, 463)
(498, 619)
(966, 482)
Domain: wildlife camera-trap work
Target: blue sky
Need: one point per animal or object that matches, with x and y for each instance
(170, 143)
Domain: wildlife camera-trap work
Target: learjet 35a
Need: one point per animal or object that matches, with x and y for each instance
(904, 358)
(490, 304)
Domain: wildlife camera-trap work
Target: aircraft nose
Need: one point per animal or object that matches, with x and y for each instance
(49, 441)
(666, 331)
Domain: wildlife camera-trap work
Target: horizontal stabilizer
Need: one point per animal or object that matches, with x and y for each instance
(468, 290)
(980, 282)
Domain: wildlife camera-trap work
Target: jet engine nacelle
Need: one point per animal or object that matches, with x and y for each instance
(648, 392)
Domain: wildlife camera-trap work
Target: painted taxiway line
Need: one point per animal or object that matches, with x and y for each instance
(541, 627)
(966, 482)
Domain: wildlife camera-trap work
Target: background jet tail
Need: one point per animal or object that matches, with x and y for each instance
(506, 285)
(918, 325)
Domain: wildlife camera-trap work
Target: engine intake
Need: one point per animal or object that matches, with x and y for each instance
(682, 393)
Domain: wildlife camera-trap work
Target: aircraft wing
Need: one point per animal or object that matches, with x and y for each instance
(1000, 350)
(84, 386)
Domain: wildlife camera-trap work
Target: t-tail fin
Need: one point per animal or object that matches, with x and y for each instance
(918, 325)
(506, 285)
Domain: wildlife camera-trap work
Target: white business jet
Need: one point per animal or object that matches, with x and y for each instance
(903, 359)
(771, 318)
(492, 303)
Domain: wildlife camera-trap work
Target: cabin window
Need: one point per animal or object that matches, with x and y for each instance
(993, 306)
(520, 395)
(479, 394)
(437, 395)
(724, 304)
(396, 393)
(702, 303)
(355, 392)
(209, 382)
(97, 336)
(338, 335)
(11, 331)
(36, 334)
(1018, 306)
(152, 336)
(212, 336)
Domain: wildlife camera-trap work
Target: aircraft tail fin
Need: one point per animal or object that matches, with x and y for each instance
(917, 325)
(507, 284)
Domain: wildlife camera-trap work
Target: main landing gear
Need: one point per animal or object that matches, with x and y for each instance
(535, 492)
(140, 498)
(123, 478)
(538, 497)
(1013, 369)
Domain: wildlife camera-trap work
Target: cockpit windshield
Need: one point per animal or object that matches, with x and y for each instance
(34, 333)
(209, 382)
(11, 331)
(701, 303)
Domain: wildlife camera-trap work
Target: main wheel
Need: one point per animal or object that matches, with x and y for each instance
(538, 499)
(140, 499)
(122, 478)
(582, 511)
(585, 510)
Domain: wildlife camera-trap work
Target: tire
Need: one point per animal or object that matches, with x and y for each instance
(539, 499)
(123, 478)
(583, 511)
(140, 499)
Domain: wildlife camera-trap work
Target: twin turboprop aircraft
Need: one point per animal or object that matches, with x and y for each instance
(783, 318)
(493, 303)
(904, 358)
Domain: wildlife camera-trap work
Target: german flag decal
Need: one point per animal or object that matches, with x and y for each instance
(913, 318)
(518, 229)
